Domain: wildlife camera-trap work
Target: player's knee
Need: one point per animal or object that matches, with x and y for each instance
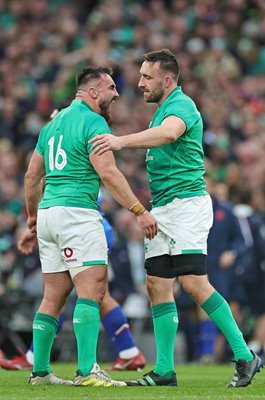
(187, 284)
(156, 289)
(51, 306)
(151, 286)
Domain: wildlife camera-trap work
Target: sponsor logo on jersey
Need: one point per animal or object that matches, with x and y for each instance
(77, 320)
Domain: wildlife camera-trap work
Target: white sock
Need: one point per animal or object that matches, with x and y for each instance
(255, 346)
(30, 357)
(129, 353)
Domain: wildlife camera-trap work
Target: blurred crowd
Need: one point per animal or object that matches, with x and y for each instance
(220, 46)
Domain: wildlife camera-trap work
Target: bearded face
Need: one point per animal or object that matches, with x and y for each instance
(151, 82)
(155, 94)
(107, 94)
(104, 109)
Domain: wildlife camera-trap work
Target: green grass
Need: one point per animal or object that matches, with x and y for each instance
(195, 382)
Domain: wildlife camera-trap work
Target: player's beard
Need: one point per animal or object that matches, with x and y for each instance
(104, 109)
(155, 96)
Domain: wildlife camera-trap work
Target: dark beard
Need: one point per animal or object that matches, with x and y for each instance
(155, 97)
(104, 110)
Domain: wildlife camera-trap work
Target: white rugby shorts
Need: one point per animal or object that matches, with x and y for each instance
(70, 237)
(183, 227)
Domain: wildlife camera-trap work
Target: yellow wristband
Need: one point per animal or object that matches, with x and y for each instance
(137, 209)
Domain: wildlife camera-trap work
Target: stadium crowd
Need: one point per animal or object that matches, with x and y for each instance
(221, 52)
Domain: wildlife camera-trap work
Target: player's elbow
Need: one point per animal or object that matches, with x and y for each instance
(107, 174)
(171, 136)
(31, 179)
(112, 179)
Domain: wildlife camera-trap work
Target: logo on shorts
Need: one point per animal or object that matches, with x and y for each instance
(172, 243)
(176, 320)
(146, 248)
(68, 252)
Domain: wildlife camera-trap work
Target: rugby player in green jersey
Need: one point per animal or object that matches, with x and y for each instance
(71, 238)
(183, 210)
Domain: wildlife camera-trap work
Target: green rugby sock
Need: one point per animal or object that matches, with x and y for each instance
(165, 320)
(86, 327)
(219, 311)
(44, 330)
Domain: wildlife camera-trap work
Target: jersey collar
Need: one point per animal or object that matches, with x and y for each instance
(78, 101)
(171, 94)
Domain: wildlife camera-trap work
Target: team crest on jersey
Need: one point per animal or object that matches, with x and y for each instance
(148, 157)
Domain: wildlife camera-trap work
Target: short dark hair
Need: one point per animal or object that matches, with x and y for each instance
(167, 61)
(89, 74)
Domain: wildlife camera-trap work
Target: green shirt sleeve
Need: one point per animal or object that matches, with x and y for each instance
(184, 109)
(99, 126)
(39, 146)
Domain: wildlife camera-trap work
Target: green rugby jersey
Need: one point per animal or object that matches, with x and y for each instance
(70, 177)
(176, 169)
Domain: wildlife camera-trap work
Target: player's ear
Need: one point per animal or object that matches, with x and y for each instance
(167, 81)
(93, 93)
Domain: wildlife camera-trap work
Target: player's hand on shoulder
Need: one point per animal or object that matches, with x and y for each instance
(105, 142)
(148, 224)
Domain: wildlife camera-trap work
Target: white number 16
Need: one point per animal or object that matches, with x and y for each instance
(60, 153)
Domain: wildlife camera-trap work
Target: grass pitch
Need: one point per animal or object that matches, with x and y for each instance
(195, 382)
